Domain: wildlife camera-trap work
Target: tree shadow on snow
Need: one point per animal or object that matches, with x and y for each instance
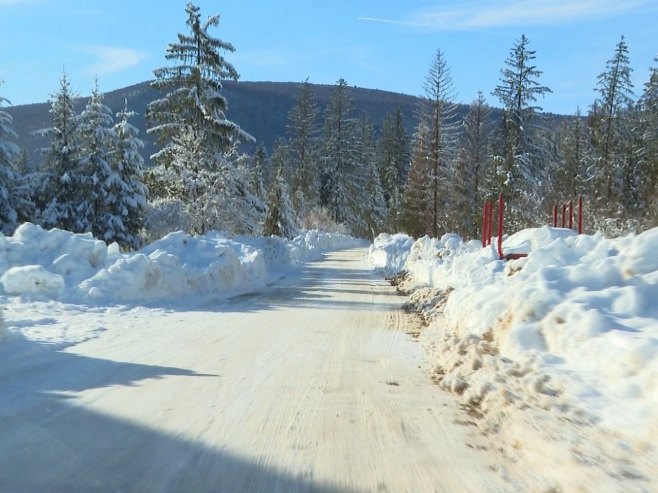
(50, 444)
(315, 287)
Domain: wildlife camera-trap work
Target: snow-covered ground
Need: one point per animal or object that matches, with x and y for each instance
(57, 272)
(554, 354)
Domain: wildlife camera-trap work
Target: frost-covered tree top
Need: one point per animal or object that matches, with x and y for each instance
(192, 102)
(519, 85)
(8, 150)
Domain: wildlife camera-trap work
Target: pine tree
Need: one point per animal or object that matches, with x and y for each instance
(338, 154)
(193, 106)
(364, 191)
(199, 162)
(63, 186)
(126, 196)
(280, 219)
(473, 161)
(416, 214)
(10, 195)
(571, 177)
(393, 162)
(303, 130)
(649, 133)
(524, 159)
(440, 113)
(258, 175)
(97, 140)
(607, 123)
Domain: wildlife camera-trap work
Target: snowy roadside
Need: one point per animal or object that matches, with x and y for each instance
(554, 355)
(47, 277)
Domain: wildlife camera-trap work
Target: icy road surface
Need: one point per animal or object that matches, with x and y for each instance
(312, 385)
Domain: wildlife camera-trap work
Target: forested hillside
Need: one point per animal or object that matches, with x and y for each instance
(259, 107)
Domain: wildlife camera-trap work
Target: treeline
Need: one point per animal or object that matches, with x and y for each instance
(437, 180)
(332, 169)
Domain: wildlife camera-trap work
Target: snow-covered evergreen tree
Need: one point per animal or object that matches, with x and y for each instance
(364, 191)
(338, 154)
(416, 214)
(280, 220)
(524, 155)
(608, 124)
(393, 162)
(649, 115)
(473, 163)
(11, 195)
(198, 158)
(439, 111)
(64, 186)
(303, 130)
(95, 174)
(575, 159)
(126, 193)
(258, 174)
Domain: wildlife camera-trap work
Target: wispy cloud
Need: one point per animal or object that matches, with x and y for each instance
(6, 3)
(108, 60)
(481, 15)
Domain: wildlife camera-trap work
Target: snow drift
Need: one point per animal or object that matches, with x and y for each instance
(570, 331)
(77, 268)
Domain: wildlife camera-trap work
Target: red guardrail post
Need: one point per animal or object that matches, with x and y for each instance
(564, 215)
(580, 215)
(555, 216)
(490, 230)
(501, 213)
(571, 214)
(484, 224)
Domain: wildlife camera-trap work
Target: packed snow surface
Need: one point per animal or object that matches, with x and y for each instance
(571, 330)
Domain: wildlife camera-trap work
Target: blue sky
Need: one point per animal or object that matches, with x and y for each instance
(382, 44)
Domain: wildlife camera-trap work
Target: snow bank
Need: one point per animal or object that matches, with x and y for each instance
(388, 253)
(77, 268)
(571, 330)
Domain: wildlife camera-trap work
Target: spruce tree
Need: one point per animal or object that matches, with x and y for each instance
(338, 154)
(473, 162)
(393, 162)
(608, 123)
(11, 196)
(95, 174)
(126, 195)
(440, 113)
(571, 176)
(649, 115)
(303, 130)
(280, 220)
(199, 163)
(258, 174)
(364, 191)
(524, 159)
(64, 186)
(416, 215)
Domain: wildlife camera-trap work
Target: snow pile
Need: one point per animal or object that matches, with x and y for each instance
(388, 253)
(569, 332)
(77, 268)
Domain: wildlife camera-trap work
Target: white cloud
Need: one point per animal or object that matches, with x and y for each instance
(108, 60)
(480, 15)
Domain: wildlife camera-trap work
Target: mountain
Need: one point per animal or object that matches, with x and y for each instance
(260, 108)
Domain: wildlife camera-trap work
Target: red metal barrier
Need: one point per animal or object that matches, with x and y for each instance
(569, 222)
(501, 218)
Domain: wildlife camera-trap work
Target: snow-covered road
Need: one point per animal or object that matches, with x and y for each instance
(312, 385)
